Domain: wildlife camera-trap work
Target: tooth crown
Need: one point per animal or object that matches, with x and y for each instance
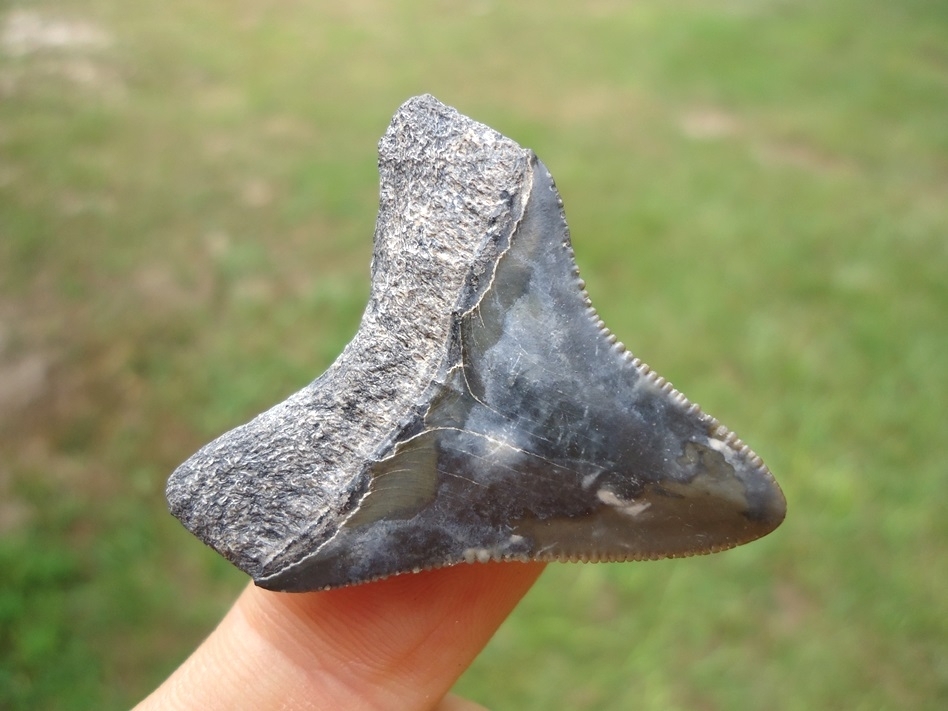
(483, 411)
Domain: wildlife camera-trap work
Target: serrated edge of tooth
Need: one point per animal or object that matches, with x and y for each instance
(497, 557)
(715, 429)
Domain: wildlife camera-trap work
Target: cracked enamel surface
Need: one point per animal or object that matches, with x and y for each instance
(482, 412)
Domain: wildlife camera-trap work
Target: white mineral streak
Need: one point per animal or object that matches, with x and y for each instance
(629, 508)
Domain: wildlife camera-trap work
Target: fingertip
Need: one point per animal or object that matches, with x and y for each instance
(409, 633)
(396, 643)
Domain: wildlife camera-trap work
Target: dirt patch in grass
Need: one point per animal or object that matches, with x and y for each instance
(29, 32)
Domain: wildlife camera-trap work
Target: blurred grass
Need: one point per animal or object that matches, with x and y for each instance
(758, 193)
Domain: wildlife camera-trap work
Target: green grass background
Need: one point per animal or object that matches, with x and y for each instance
(758, 195)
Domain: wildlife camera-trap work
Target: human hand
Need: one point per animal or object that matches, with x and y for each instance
(398, 643)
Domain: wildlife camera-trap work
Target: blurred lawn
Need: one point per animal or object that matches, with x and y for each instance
(758, 193)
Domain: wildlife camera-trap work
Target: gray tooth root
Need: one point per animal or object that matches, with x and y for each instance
(482, 411)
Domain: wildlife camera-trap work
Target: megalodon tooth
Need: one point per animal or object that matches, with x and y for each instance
(481, 412)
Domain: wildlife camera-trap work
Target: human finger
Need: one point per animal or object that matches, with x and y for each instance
(398, 643)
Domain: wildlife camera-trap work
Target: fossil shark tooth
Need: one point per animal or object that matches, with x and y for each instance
(481, 412)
